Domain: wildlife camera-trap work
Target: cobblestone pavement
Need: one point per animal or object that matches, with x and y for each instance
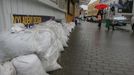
(98, 52)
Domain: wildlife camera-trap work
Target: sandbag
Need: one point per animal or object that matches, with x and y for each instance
(72, 25)
(55, 43)
(17, 27)
(69, 26)
(59, 45)
(44, 39)
(51, 64)
(63, 37)
(54, 48)
(66, 28)
(57, 29)
(7, 69)
(66, 33)
(26, 42)
(28, 65)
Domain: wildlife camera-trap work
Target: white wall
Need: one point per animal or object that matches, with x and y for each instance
(2, 23)
(1, 16)
(26, 7)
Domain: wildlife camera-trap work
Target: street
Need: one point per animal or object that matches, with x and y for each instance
(97, 52)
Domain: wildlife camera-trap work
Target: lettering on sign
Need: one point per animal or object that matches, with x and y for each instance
(31, 19)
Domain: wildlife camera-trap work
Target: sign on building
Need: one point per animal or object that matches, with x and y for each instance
(31, 19)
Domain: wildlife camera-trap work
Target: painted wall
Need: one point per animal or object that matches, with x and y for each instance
(26, 7)
(71, 11)
(1, 17)
(91, 10)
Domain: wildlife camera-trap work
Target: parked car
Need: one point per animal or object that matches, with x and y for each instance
(119, 20)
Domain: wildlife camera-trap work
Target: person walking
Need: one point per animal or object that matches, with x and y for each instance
(99, 17)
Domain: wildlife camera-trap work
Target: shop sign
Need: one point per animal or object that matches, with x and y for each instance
(31, 19)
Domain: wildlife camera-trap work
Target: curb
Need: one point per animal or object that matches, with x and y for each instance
(127, 30)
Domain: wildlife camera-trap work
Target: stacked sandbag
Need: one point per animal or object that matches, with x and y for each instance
(72, 25)
(50, 56)
(18, 27)
(28, 65)
(49, 60)
(65, 28)
(35, 48)
(7, 69)
(58, 30)
(68, 27)
(26, 42)
(51, 63)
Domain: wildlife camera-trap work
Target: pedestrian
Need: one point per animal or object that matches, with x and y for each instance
(76, 21)
(84, 18)
(99, 18)
(108, 23)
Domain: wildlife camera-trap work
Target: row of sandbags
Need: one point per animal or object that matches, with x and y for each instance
(33, 51)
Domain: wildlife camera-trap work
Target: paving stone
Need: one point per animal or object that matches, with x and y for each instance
(97, 52)
(79, 73)
(109, 74)
(95, 73)
(102, 70)
(117, 72)
(102, 64)
(96, 66)
(109, 68)
(122, 69)
(129, 73)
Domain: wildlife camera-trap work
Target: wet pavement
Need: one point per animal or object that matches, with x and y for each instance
(98, 52)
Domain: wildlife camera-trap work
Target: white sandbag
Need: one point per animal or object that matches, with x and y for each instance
(51, 63)
(54, 44)
(28, 65)
(44, 39)
(22, 43)
(67, 33)
(59, 45)
(46, 29)
(17, 44)
(72, 25)
(17, 27)
(53, 67)
(58, 30)
(7, 69)
(62, 37)
(54, 48)
(67, 28)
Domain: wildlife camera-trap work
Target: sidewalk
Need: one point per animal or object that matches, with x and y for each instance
(126, 28)
(97, 52)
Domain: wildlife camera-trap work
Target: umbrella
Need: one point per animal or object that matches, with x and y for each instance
(101, 6)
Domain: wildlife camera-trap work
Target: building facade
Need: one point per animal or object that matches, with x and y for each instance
(73, 10)
(92, 11)
(8, 8)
